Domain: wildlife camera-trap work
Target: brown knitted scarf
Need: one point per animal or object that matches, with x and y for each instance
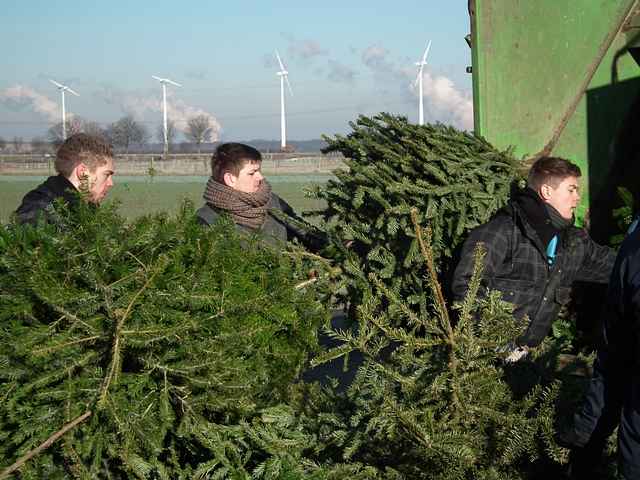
(249, 209)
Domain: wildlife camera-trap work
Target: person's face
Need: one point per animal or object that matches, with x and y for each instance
(100, 181)
(248, 179)
(565, 197)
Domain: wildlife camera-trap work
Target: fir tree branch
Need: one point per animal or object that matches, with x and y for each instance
(77, 468)
(314, 256)
(43, 446)
(413, 318)
(142, 265)
(53, 348)
(70, 316)
(115, 356)
(474, 285)
(58, 374)
(306, 283)
(125, 278)
(440, 302)
(10, 389)
(441, 310)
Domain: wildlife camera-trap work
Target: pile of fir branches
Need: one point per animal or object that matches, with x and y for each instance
(123, 347)
(432, 400)
(456, 181)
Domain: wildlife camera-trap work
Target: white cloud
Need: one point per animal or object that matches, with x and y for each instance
(306, 49)
(444, 102)
(20, 97)
(375, 57)
(447, 102)
(139, 104)
(338, 72)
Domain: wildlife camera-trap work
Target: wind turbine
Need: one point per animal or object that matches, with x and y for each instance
(163, 82)
(64, 88)
(421, 65)
(284, 76)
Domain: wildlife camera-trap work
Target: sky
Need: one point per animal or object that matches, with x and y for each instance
(344, 58)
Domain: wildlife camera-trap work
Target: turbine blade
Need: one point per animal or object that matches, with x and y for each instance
(286, 78)
(426, 52)
(59, 85)
(280, 61)
(172, 82)
(69, 90)
(157, 78)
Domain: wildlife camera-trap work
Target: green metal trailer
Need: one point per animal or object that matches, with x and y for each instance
(561, 77)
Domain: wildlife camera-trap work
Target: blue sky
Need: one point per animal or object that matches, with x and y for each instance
(344, 58)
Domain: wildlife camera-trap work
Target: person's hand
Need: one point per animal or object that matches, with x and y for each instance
(516, 354)
(513, 353)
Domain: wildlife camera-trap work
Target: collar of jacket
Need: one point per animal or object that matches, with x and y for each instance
(60, 186)
(521, 223)
(536, 213)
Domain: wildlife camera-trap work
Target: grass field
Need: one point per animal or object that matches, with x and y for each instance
(140, 195)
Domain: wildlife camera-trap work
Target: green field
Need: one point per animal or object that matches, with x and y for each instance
(141, 195)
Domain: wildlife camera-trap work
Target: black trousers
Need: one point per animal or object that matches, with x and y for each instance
(612, 400)
(629, 431)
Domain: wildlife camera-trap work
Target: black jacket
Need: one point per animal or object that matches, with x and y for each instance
(38, 203)
(276, 228)
(622, 312)
(516, 265)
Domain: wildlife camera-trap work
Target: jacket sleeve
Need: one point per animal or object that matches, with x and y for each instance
(634, 285)
(622, 321)
(313, 239)
(495, 238)
(597, 262)
(35, 210)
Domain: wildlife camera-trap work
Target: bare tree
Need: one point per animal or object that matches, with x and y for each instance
(126, 132)
(17, 143)
(199, 130)
(93, 128)
(171, 133)
(3, 144)
(74, 125)
(40, 145)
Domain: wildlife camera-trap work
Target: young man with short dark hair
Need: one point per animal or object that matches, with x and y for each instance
(534, 252)
(84, 164)
(238, 188)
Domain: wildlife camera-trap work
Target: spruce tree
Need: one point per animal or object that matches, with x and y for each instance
(456, 181)
(433, 399)
(137, 344)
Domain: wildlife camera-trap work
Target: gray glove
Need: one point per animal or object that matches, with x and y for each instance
(513, 353)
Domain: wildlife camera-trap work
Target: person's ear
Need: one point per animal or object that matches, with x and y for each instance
(82, 171)
(545, 191)
(229, 179)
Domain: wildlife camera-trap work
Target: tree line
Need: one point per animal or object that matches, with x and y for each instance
(123, 134)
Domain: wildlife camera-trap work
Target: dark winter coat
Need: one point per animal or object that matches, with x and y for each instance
(622, 313)
(39, 202)
(612, 399)
(276, 229)
(516, 265)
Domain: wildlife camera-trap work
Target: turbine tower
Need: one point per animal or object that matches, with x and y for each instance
(163, 82)
(421, 65)
(284, 76)
(64, 88)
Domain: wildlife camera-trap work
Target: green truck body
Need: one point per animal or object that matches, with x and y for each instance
(561, 77)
